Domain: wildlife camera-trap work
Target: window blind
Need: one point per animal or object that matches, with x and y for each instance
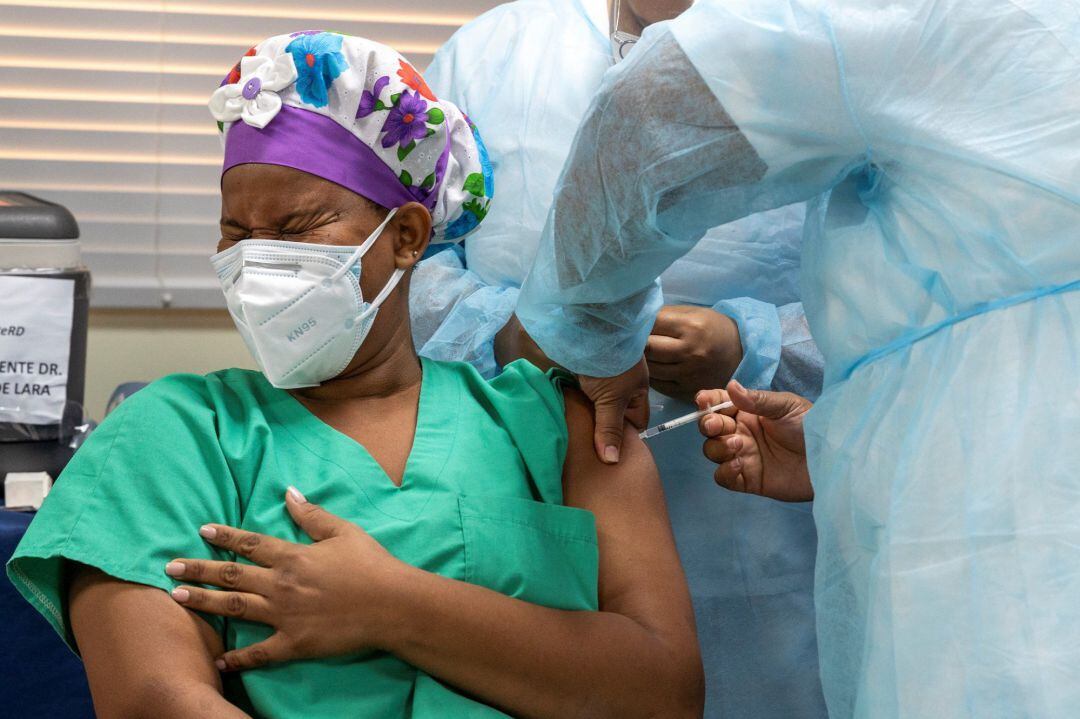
(103, 109)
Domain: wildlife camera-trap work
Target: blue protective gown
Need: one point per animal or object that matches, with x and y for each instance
(941, 269)
(526, 73)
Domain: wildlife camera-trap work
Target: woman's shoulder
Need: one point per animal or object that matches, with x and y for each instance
(188, 393)
(244, 381)
(177, 410)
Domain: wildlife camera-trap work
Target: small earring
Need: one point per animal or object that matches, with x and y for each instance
(415, 253)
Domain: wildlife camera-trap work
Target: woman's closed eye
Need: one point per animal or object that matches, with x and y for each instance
(325, 231)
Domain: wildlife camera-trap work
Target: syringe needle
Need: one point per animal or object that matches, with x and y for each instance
(685, 419)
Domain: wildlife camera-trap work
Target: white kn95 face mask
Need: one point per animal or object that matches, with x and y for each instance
(298, 306)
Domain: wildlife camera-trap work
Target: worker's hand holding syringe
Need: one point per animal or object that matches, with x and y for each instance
(756, 438)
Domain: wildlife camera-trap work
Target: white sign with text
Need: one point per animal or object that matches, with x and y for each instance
(35, 341)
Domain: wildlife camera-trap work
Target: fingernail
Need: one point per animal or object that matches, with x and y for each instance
(710, 424)
(735, 384)
(175, 569)
(181, 595)
(207, 532)
(220, 664)
(736, 463)
(611, 454)
(297, 497)
(735, 443)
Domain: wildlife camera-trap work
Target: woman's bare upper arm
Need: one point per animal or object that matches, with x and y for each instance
(640, 573)
(141, 649)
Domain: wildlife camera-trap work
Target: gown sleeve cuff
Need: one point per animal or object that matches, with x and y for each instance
(759, 332)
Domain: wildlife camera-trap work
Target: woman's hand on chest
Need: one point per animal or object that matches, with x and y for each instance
(328, 598)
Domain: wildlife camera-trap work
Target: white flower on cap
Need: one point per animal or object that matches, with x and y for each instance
(253, 98)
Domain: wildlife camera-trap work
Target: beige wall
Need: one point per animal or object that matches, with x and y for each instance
(142, 345)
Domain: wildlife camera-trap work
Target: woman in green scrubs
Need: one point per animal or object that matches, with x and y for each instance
(354, 532)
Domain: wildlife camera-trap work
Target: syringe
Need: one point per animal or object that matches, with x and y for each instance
(685, 419)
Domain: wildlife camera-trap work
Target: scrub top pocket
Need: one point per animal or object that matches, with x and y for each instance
(546, 554)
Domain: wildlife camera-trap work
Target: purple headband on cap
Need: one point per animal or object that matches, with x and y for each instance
(320, 146)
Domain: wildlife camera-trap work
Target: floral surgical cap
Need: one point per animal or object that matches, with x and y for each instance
(355, 112)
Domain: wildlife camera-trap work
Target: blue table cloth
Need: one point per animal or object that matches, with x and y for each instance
(39, 676)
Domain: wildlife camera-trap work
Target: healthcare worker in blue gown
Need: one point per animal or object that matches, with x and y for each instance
(938, 142)
(526, 72)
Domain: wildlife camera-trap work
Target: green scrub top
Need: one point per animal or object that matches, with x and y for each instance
(481, 501)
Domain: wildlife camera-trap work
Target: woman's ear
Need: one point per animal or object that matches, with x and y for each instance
(412, 227)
